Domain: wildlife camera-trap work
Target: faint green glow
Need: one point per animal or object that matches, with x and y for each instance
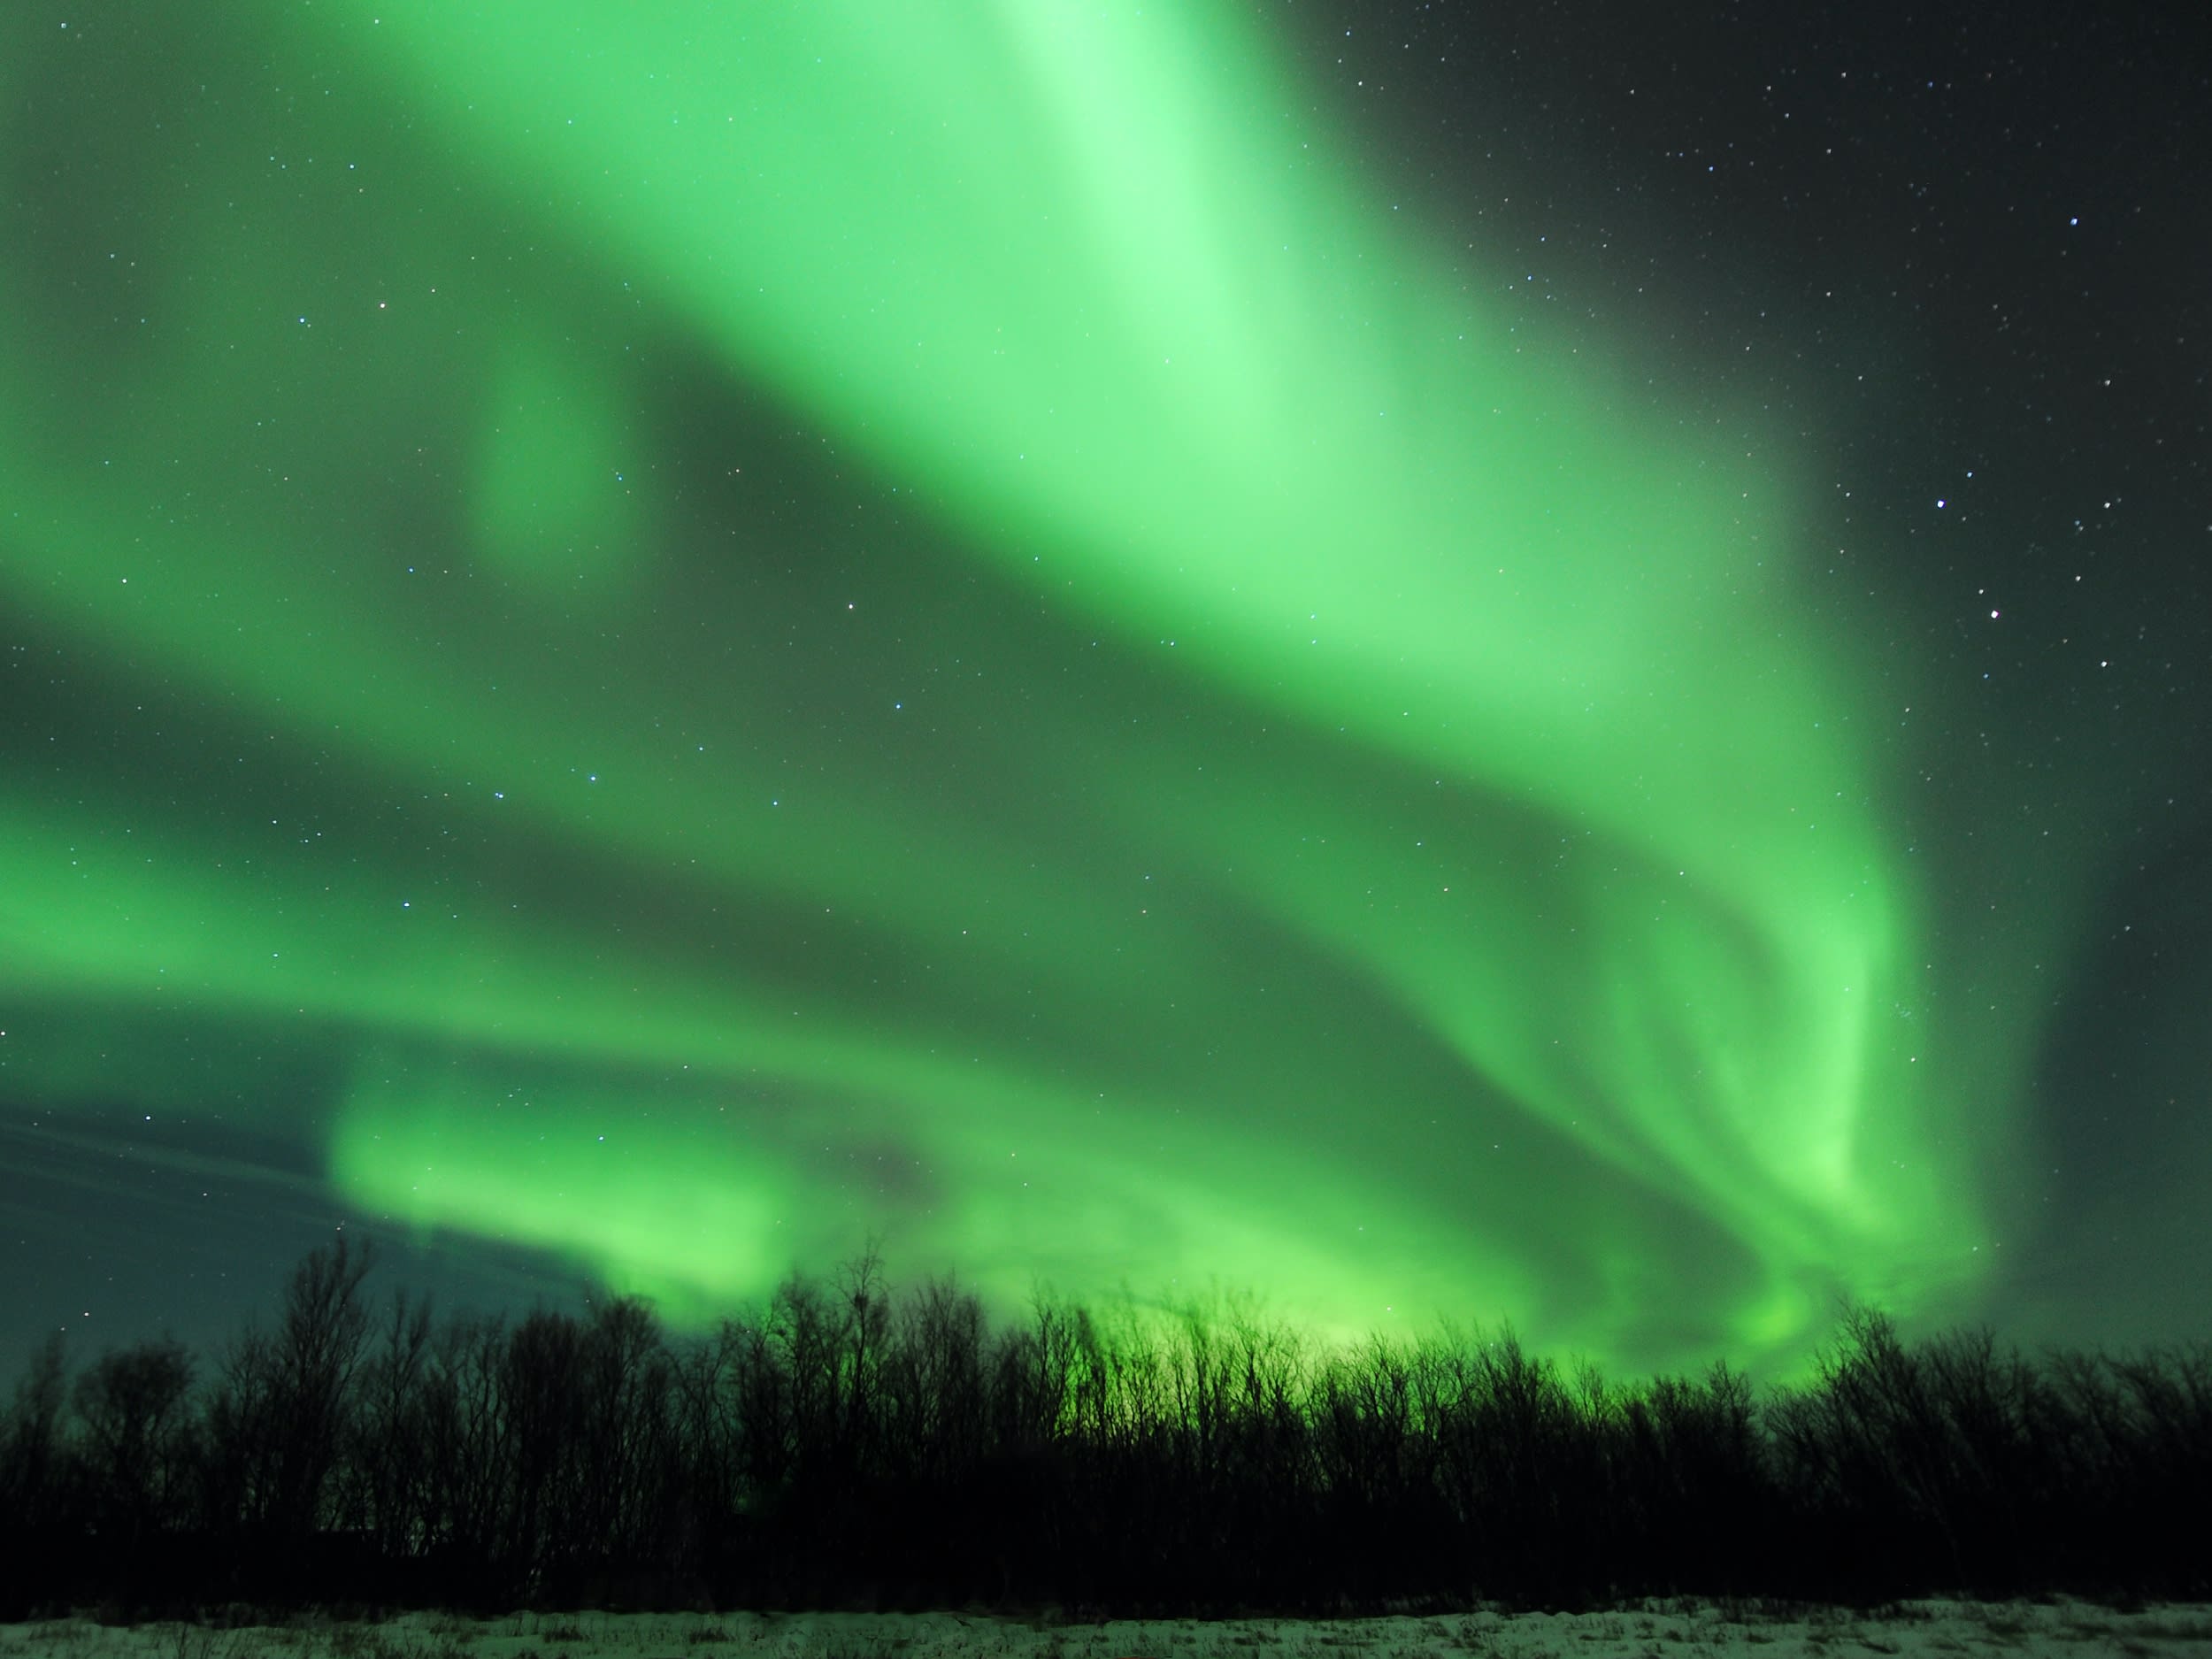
(552, 499)
(1405, 850)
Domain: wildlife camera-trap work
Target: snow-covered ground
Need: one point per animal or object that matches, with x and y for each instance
(2022, 1629)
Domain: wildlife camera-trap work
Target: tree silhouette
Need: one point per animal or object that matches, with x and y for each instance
(137, 1443)
(845, 1445)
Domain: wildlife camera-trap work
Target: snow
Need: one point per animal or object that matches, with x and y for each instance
(2019, 1630)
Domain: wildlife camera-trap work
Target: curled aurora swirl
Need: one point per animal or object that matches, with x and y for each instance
(935, 619)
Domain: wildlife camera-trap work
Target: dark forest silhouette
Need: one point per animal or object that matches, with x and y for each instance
(845, 1447)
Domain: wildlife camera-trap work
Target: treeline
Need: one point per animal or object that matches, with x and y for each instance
(844, 1447)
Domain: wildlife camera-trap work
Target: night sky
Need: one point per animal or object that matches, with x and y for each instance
(1503, 662)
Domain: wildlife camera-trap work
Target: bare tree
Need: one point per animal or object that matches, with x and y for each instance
(626, 1421)
(318, 1346)
(865, 1315)
(279, 1415)
(468, 1445)
(31, 1447)
(133, 1407)
(938, 1382)
(392, 1470)
(541, 1392)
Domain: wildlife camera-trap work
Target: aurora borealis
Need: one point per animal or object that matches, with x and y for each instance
(661, 643)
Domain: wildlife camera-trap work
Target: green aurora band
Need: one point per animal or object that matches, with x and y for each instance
(763, 624)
